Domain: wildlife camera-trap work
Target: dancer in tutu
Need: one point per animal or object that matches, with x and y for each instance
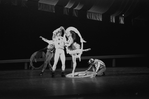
(73, 48)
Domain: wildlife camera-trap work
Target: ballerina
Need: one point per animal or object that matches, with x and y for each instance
(72, 47)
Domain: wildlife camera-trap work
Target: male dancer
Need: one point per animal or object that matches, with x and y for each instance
(49, 54)
(97, 66)
(59, 42)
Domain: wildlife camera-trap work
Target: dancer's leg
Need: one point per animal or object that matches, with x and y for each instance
(44, 66)
(49, 60)
(101, 72)
(56, 57)
(62, 57)
(74, 64)
(93, 68)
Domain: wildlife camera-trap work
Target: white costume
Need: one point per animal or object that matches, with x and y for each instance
(59, 42)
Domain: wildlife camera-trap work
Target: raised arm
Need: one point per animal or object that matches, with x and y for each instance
(57, 30)
(45, 40)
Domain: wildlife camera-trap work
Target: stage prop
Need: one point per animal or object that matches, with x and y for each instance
(37, 59)
(43, 57)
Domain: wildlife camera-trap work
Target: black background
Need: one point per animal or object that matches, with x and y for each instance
(21, 27)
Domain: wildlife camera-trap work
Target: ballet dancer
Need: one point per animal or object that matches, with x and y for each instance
(72, 47)
(49, 54)
(59, 42)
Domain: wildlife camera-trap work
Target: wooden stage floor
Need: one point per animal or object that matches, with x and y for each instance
(119, 83)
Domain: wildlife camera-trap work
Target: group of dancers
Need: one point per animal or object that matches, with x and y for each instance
(64, 39)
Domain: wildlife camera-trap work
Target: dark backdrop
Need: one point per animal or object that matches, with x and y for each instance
(21, 27)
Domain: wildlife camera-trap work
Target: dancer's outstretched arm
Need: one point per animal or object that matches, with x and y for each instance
(46, 40)
(89, 68)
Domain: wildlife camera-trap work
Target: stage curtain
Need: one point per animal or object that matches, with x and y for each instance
(68, 6)
(98, 9)
(77, 8)
(47, 5)
(112, 19)
(123, 10)
(94, 16)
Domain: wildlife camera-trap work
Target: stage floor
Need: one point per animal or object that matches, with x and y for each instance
(122, 82)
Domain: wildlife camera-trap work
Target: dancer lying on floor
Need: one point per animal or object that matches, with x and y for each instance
(97, 66)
